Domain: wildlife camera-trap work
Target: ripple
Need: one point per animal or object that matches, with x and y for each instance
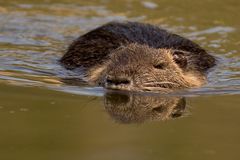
(32, 40)
(217, 29)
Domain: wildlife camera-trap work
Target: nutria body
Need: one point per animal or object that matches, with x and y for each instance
(137, 56)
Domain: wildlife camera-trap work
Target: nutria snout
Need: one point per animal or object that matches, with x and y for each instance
(138, 57)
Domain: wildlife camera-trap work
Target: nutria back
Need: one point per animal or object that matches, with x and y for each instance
(94, 46)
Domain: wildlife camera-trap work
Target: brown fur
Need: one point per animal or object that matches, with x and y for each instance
(136, 56)
(136, 63)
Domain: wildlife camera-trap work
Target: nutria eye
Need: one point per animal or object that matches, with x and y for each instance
(180, 59)
(159, 66)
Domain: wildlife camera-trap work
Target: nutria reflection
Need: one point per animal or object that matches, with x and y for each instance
(135, 108)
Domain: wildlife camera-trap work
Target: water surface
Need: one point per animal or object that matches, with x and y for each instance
(43, 116)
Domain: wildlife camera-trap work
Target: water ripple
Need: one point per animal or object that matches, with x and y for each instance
(32, 40)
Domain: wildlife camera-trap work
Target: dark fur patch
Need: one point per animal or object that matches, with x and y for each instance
(95, 46)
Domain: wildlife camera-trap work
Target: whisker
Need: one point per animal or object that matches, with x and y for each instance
(155, 89)
(159, 83)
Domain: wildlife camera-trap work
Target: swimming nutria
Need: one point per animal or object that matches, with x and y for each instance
(137, 56)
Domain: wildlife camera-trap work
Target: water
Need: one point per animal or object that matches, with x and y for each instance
(44, 114)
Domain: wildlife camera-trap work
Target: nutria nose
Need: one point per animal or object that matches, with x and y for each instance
(117, 81)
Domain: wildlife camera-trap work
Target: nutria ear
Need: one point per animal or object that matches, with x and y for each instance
(180, 57)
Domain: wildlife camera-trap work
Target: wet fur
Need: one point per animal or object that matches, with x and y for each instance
(136, 62)
(96, 50)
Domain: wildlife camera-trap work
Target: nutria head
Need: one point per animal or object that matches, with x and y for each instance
(142, 68)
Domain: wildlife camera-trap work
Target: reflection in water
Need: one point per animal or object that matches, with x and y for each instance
(136, 108)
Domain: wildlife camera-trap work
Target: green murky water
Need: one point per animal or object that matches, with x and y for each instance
(44, 117)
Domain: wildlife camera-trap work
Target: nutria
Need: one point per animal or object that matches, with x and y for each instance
(137, 56)
(136, 108)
